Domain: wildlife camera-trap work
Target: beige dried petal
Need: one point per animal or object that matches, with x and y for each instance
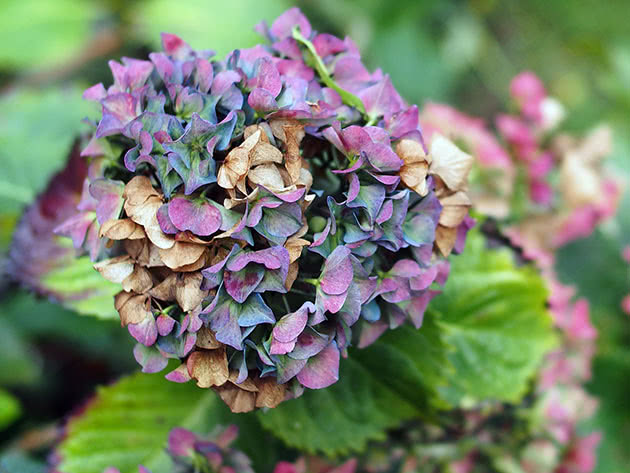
(579, 182)
(115, 269)
(138, 250)
(181, 254)
(120, 229)
(188, 293)
(207, 339)
(145, 214)
(291, 275)
(237, 399)
(139, 281)
(138, 190)
(414, 176)
(410, 151)
(266, 175)
(196, 266)
(132, 308)
(155, 259)
(246, 385)
(265, 153)
(165, 291)
(455, 198)
(445, 239)
(453, 215)
(262, 127)
(294, 246)
(270, 393)
(449, 162)
(305, 179)
(596, 145)
(291, 133)
(208, 367)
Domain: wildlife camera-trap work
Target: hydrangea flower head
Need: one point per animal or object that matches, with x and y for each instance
(264, 212)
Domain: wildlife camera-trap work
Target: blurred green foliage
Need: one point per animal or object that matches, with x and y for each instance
(461, 52)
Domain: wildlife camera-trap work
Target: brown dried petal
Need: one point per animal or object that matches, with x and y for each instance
(237, 399)
(294, 246)
(188, 293)
(121, 229)
(165, 291)
(410, 151)
(208, 368)
(270, 393)
(138, 190)
(197, 265)
(246, 385)
(137, 249)
(265, 153)
(139, 281)
(291, 132)
(445, 239)
(132, 308)
(207, 339)
(414, 176)
(181, 254)
(291, 275)
(115, 269)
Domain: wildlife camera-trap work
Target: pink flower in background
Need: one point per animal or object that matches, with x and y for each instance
(529, 92)
(581, 456)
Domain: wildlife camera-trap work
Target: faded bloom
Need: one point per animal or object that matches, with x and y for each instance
(263, 213)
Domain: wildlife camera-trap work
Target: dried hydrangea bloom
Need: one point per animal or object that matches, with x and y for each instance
(549, 187)
(264, 212)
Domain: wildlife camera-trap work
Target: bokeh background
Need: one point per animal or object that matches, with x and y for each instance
(459, 52)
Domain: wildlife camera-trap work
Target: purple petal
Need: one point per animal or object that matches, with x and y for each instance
(165, 222)
(145, 332)
(337, 274)
(240, 284)
(418, 306)
(272, 258)
(149, 358)
(309, 344)
(108, 193)
(424, 279)
(201, 219)
(282, 27)
(262, 100)
(181, 442)
(381, 99)
(174, 46)
(322, 370)
(291, 325)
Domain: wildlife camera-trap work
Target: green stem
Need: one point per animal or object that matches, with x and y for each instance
(320, 67)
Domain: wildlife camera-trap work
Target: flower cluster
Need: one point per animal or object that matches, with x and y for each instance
(550, 186)
(192, 453)
(264, 212)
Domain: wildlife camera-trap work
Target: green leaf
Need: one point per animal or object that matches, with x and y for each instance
(494, 317)
(190, 21)
(39, 33)
(36, 130)
(9, 409)
(81, 288)
(380, 386)
(18, 363)
(127, 424)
